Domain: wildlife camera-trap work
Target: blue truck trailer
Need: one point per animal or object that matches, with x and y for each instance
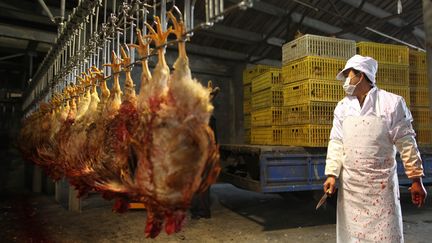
(281, 169)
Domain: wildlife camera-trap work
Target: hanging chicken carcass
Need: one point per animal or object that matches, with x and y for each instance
(176, 152)
(74, 142)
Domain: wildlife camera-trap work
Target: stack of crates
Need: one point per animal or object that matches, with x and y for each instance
(311, 91)
(419, 91)
(248, 75)
(266, 115)
(393, 66)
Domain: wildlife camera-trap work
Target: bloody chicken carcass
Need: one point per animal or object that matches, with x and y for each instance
(117, 161)
(177, 156)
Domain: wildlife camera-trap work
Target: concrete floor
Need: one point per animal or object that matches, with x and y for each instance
(237, 216)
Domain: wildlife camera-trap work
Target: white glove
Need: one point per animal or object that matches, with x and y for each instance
(334, 158)
(410, 156)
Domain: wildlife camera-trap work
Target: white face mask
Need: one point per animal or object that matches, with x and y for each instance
(349, 88)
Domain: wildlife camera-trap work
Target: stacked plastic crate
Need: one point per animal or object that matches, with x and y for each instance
(248, 75)
(393, 66)
(419, 92)
(267, 99)
(311, 92)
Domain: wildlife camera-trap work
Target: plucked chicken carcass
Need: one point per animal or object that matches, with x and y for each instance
(36, 139)
(95, 137)
(47, 150)
(75, 144)
(176, 151)
(34, 134)
(68, 138)
(116, 161)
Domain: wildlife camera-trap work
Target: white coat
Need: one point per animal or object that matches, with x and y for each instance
(362, 154)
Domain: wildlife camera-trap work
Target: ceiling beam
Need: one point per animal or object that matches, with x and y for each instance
(381, 13)
(27, 34)
(236, 33)
(240, 35)
(227, 55)
(30, 7)
(373, 23)
(11, 56)
(296, 17)
(25, 16)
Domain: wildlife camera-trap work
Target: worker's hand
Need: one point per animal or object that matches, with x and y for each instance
(330, 185)
(418, 192)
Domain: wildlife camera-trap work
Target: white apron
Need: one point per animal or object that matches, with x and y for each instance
(368, 208)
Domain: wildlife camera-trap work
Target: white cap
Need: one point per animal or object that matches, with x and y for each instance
(366, 65)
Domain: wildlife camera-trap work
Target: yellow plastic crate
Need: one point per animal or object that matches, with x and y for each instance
(252, 72)
(247, 121)
(392, 74)
(267, 98)
(312, 67)
(267, 135)
(419, 96)
(418, 78)
(247, 106)
(266, 80)
(403, 91)
(417, 59)
(424, 136)
(309, 113)
(422, 116)
(314, 45)
(247, 136)
(267, 117)
(313, 90)
(247, 92)
(307, 135)
(384, 53)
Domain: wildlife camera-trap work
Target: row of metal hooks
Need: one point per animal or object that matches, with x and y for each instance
(84, 42)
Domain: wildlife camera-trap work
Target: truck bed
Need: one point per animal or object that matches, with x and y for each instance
(277, 169)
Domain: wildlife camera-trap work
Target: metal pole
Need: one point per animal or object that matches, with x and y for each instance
(163, 15)
(91, 43)
(47, 11)
(427, 20)
(207, 10)
(211, 9)
(97, 19)
(124, 27)
(144, 20)
(131, 41)
(62, 9)
(395, 39)
(154, 8)
(186, 14)
(221, 9)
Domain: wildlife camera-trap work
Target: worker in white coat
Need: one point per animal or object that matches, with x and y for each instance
(369, 125)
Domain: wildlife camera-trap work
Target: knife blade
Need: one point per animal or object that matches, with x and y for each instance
(323, 199)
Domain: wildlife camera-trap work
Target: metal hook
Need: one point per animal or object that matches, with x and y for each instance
(127, 49)
(177, 10)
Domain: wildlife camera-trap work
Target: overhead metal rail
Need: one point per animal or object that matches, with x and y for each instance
(83, 42)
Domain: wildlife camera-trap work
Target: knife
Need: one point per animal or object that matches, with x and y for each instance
(323, 199)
